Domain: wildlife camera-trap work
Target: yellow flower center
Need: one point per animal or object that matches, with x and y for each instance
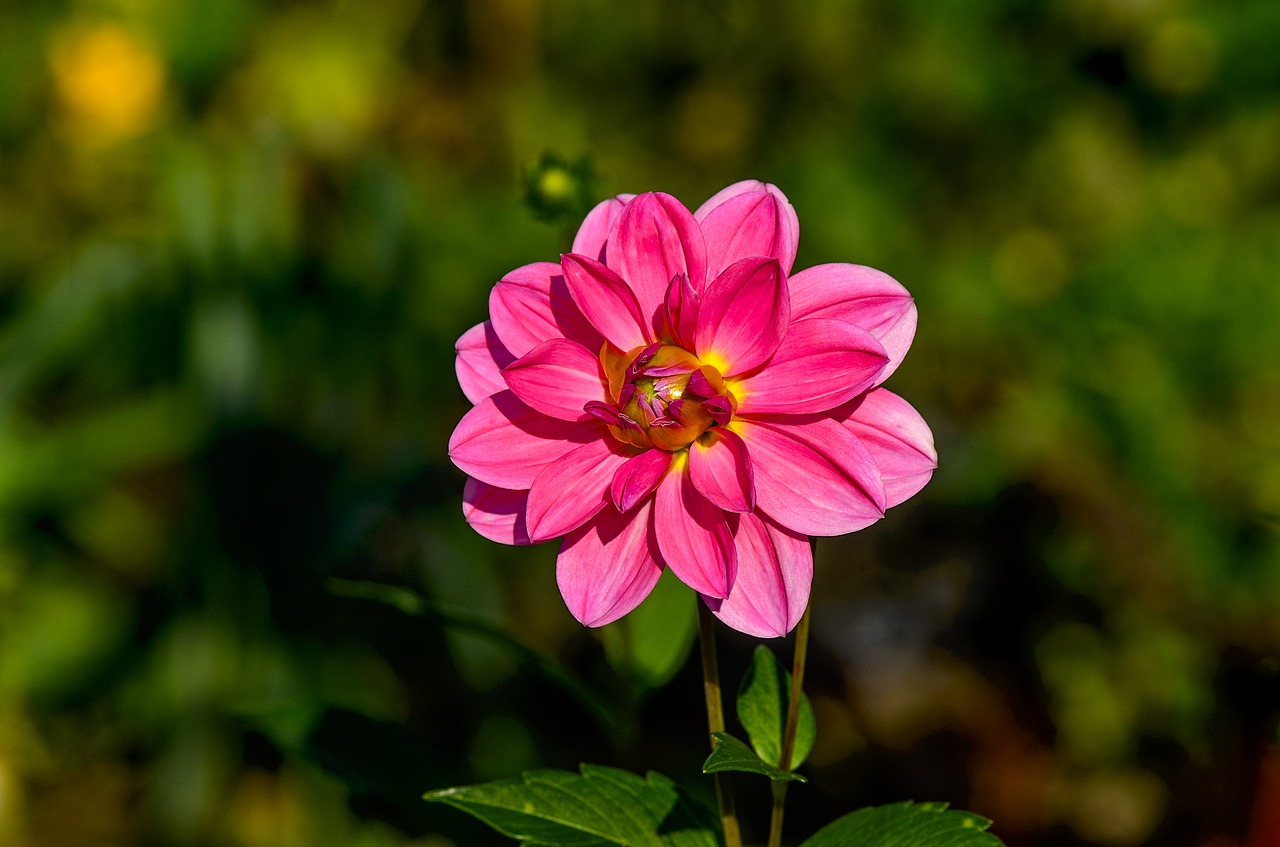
(665, 397)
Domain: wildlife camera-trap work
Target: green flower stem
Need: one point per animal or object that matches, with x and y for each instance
(797, 688)
(715, 721)
(779, 804)
(789, 735)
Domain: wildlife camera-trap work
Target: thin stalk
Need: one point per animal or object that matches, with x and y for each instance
(775, 819)
(793, 720)
(797, 687)
(715, 721)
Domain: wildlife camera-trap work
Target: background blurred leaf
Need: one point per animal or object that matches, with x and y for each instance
(62, 636)
(652, 642)
(412, 604)
(381, 762)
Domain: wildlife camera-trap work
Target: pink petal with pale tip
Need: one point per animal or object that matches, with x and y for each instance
(609, 565)
(744, 314)
(594, 232)
(693, 535)
(813, 476)
(505, 442)
(570, 490)
(481, 358)
(755, 223)
(558, 378)
(654, 239)
(721, 470)
(532, 304)
(899, 440)
(745, 186)
(862, 296)
(495, 513)
(607, 301)
(819, 365)
(637, 479)
(775, 572)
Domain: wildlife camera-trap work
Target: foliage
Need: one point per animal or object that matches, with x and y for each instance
(238, 240)
(602, 806)
(763, 699)
(651, 644)
(560, 192)
(730, 754)
(605, 806)
(906, 825)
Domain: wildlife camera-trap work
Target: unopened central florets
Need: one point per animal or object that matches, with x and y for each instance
(664, 397)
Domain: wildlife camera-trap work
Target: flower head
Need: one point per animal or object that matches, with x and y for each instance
(670, 395)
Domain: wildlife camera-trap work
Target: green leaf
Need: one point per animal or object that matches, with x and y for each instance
(651, 643)
(906, 825)
(601, 807)
(762, 709)
(732, 755)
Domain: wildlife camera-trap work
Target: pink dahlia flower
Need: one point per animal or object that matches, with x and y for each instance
(670, 395)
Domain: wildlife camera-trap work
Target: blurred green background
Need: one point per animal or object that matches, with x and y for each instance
(238, 238)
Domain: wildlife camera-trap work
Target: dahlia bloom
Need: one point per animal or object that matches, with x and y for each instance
(670, 395)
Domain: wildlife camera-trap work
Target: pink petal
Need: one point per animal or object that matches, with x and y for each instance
(558, 378)
(570, 490)
(608, 566)
(594, 232)
(504, 442)
(861, 296)
(654, 239)
(721, 470)
(532, 304)
(819, 365)
(775, 571)
(814, 477)
(744, 315)
(754, 223)
(606, 300)
(481, 357)
(495, 513)
(899, 440)
(637, 479)
(693, 535)
(680, 311)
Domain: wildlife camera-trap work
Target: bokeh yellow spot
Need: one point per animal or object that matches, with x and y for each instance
(1031, 265)
(556, 185)
(714, 122)
(108, 80)
(329, 77)
(1180, 57)
(1197, 190)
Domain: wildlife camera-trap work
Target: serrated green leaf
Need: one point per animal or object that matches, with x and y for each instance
(762, 709)
(601, 807)
(651, 643)
(733, 755)
(906, 825)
